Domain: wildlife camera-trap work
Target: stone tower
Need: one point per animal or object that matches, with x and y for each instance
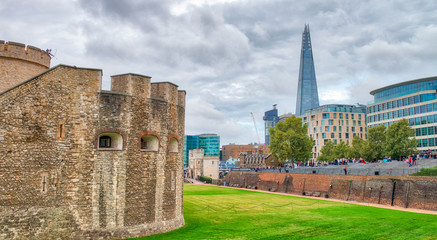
(307, 95)
(18, 64)
(80, 162)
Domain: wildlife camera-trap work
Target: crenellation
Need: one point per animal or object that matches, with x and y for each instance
(18, 64)
(132, 84)
(19, 51)
(165, 90)
(181, 98)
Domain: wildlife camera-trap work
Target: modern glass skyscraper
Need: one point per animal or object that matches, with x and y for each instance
(270, 120)
(191, 142)
(210, 143)
(307, 95)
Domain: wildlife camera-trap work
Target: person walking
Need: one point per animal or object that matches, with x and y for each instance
(345, 170)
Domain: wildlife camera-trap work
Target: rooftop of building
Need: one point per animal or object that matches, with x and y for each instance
(208, 135)
(403, 84)
(359, 108)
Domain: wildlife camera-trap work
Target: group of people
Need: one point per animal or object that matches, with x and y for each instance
(411, 159)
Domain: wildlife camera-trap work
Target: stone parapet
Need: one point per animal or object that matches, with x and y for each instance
(18, 63)
(19, 51)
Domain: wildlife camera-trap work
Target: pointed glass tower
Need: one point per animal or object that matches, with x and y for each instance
(307, 95)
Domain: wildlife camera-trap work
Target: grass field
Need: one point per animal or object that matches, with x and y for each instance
(223, 213)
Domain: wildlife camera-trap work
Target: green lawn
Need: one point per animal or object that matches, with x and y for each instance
(223, 213)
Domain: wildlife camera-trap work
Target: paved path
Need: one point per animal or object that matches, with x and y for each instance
(337, 200)
(394, 168)
(194, 181)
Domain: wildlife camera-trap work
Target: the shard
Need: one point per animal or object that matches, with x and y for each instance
(307, 95)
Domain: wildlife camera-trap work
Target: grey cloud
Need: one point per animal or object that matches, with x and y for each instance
(237, 57)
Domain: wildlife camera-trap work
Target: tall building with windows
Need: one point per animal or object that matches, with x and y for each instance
(209, 142)
(307, 94)
(270, 120)
(335, 122)
(414, 100)
(191, 142)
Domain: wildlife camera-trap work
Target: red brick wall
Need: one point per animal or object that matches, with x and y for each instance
(415, 192)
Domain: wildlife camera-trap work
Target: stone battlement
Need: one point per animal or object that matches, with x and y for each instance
(19, 51)
(140, 86)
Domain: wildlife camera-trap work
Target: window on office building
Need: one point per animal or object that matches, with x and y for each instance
(431, 130)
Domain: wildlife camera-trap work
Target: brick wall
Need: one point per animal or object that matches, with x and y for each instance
(414, 192)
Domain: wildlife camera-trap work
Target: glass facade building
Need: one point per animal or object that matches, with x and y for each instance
(210, 143)
(307, 94)
(191, 142)
(414, 100)
(336, 123)
(270, 120)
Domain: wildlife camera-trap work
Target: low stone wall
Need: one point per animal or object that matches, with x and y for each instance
(411, 192)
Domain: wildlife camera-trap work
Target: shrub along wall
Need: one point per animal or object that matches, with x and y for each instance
(413, 192)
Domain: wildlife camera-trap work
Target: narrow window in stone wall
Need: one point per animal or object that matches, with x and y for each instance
(105, 142)
(110, 141)
(44, 182)
(60, 134)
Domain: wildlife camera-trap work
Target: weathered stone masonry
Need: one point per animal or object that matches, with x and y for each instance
(77, 162)
(18, 63)
(411, 192)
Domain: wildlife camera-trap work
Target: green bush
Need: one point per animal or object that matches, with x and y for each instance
(205, 179)
(426, 172)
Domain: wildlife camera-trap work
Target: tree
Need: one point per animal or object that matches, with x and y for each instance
(289, 141)
(361, 149)
(377, 138)
(341, 150)
(400, 140)
(355, 150)
(327, 152)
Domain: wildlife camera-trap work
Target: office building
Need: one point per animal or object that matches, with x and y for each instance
(307, 95)
(335, 122)
(413, 100)
(191, 142)
(270, 120)
(210, 143)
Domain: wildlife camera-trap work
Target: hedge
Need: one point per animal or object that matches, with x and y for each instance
(426, 172)
(205, 179)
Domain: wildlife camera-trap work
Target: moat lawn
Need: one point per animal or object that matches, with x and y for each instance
(224, 213)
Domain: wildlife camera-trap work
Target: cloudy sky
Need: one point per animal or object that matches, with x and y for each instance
(234, 57)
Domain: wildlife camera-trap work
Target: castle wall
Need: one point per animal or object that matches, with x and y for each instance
(49, 139)
(18, 63)
(413, 192)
